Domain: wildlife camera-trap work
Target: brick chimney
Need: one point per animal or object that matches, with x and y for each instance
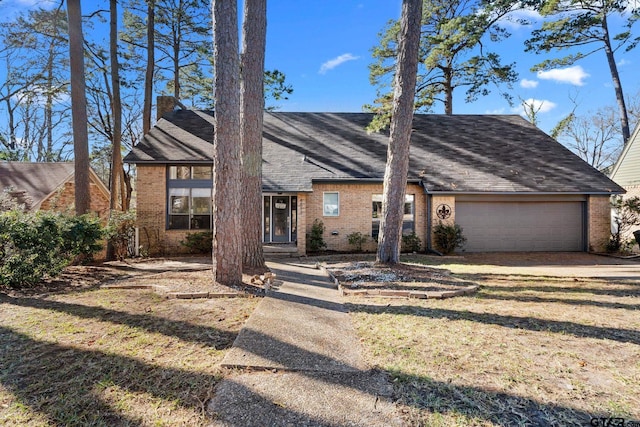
(164, 104)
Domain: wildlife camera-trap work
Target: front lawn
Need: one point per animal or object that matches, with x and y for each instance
(112, 357)
(524, 350)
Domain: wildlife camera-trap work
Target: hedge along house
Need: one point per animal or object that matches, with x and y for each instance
(509, 185)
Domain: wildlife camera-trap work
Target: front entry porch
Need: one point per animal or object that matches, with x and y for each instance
(280, 249)
(279, 220)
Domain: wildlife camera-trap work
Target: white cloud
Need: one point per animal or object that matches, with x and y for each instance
(520, 18)
(495, 112)
(540, 106)
(528, 84)
(623, 62)
(333, 63)
(572, 75)
(36, 96)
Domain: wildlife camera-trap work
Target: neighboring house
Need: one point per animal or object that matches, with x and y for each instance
(50, 186)
(626, 171)
(509, 185)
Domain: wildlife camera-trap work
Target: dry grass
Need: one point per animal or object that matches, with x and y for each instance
(86, 356)
(524, 350)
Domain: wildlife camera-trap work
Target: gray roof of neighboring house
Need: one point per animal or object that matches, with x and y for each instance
(459, 153)
(35, 181)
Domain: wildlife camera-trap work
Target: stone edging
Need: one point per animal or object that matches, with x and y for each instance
(163, 291)
(397, 293)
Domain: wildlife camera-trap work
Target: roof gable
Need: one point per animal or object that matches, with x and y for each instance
(36, 180)
(459, 153)
(626, 171)
(32, 183)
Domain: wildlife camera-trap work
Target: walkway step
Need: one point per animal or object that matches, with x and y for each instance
(300, 326)
(302, 363)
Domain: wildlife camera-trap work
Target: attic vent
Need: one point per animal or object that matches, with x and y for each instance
(539, 179)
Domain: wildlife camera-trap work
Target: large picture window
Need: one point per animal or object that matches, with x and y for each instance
(189, 197)
(408, 220)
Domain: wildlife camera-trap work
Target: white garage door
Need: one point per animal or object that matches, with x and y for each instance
(521, 226)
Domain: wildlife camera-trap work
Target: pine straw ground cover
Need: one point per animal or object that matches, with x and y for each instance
(523, 351)
(79, 355)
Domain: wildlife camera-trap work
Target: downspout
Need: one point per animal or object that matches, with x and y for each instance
(428, 204)
(429, 216)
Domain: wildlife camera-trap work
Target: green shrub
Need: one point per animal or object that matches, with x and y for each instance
(120, 231)
(411, 243)
(200, 242)
(357, 239)
(81, 236)
(38, 245)
(448, 237)
(627, 216)
(315, 239)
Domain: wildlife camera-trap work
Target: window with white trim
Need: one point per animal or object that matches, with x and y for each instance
(189, 197)
(330, 203)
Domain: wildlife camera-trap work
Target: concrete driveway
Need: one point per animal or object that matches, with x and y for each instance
(554, 264)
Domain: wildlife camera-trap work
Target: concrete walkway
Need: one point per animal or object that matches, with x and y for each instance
(300, 362)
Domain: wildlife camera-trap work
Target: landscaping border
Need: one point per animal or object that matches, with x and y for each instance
(396, 293)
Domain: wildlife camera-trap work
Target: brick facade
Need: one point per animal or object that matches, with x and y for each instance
(63, 200)
(302, 223)
(151, 211)
(599, 222)
(355, 212)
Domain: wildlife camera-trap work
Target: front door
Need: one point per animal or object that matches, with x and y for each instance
(281, 218)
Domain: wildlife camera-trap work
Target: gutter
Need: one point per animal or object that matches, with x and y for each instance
(526, 193)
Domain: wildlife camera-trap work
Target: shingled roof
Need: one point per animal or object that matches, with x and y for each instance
(34, 181)
(459, 153)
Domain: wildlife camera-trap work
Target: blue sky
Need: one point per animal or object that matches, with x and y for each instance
(324, 48)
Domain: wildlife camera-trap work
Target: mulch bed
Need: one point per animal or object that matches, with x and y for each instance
(368, 278)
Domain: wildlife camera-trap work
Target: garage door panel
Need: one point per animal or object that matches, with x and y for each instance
(521, 226)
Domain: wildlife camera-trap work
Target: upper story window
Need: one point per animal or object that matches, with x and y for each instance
(183, 172)
(408, 219)
(189, 197)
(330, 203)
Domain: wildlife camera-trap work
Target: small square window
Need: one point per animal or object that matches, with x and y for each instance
(331, 204)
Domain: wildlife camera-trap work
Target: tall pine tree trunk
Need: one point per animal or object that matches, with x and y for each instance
(254, 31)
(78, 108)
(617, 85)
(117, 171)
(395, 175)
(148, 76)
(227, 233)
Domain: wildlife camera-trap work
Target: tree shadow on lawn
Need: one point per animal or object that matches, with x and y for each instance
(417, 393)
(477, 405)
(568, 301)
(63, 384)
(210, 336)
(507, 321)
(537, 284)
